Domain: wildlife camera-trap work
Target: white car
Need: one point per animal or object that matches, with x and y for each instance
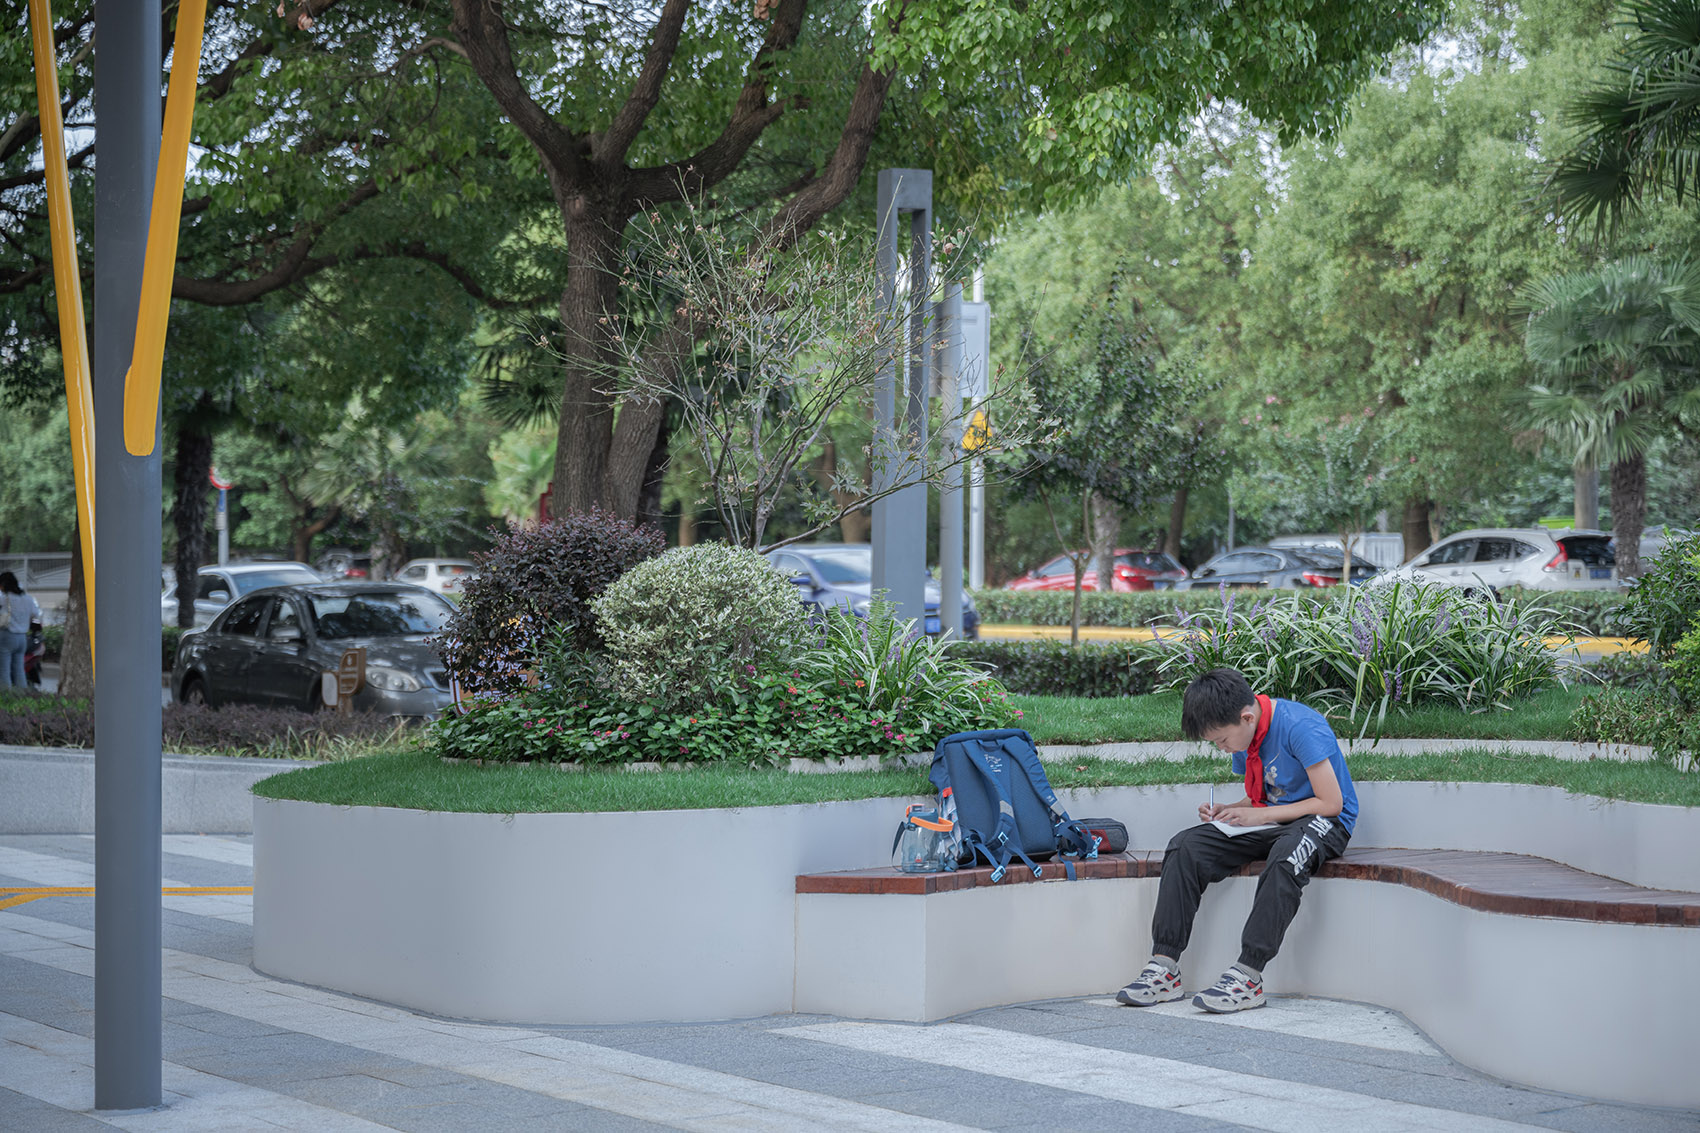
(218, 586)
(1489, 558)
(445, 576)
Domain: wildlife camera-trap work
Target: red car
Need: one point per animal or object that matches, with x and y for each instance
(1133, 570)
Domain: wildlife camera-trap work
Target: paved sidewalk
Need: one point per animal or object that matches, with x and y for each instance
(247, 1052)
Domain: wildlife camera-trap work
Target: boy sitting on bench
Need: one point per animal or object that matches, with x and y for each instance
(1296, 784)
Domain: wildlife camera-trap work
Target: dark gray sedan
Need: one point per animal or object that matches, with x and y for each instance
(273, 647)
(1275, 567)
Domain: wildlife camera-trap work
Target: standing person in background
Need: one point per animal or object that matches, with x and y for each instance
(17, 611)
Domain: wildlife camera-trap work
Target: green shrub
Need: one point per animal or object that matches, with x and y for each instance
(685, 625)
(880, 693)
(1628, 670)
(1053, 668)
(915, 685)
(1591, 612)
(533, 579)
(1126, 609)
(1664, 604)
(1376, 649)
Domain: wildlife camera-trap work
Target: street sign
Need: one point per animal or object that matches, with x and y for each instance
(976, 338)
(221, 485)
(977, 434)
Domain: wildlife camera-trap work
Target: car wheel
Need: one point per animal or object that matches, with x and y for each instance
(195, 691)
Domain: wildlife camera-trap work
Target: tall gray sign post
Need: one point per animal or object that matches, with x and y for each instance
(900, 395)
(127, 865)
(974, 334)
(949, 359)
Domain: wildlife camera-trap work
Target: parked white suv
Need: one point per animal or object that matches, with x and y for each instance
(218, 586)
(1489, 558)
(445, 576)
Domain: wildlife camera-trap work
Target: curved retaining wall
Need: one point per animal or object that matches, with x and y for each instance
(690, 915)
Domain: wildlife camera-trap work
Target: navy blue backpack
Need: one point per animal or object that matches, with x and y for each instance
(1004, 805)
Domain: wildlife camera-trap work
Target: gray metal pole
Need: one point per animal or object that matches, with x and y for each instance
(127, 867)
(950, 492)
(900, 519)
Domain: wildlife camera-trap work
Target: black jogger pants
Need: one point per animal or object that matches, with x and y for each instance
(1203, 854)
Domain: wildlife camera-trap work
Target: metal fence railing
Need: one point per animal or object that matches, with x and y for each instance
(45, 570)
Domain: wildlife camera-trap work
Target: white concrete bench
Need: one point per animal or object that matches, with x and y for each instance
(1499, 957)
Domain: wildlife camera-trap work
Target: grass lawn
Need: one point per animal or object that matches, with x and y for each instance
(1076, 720)
(418, 780)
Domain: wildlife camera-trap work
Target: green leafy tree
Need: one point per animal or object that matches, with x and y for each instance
(1127, 436)
(1323, 475)
(1639, 134)
(1618, 347)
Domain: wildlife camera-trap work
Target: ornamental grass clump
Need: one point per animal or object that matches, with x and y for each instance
(908, 685)
(686, 626)
(1373, 650)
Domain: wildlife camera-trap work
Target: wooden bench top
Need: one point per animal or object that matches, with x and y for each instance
(1492, 882)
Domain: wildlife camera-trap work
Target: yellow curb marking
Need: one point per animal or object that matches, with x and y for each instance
(16, 895)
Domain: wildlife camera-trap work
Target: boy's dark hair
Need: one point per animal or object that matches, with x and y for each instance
(1213, 701)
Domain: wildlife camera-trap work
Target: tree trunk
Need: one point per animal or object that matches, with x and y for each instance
(1106, 530)
(302, 530)
(586, 429)
(189, 516)
(648, 510)
(1587, 509)
(1628, 508)
(76, 659)
(1177, 524)
(687, 525)
(1416, 528)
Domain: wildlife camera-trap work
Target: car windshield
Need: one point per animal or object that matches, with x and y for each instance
(1320, 557)
(1147, 560)
(851, 564)
(282, 576)
(379, 614)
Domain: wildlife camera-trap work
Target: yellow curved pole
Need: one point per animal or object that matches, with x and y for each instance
(141, 384)
(68, 289)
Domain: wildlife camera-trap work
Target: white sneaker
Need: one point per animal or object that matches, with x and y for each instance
(1155, 984)
(1235, 991)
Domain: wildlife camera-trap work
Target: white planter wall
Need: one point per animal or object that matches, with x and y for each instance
(561, 918)
(691, 916)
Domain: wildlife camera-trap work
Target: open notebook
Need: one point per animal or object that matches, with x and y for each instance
(1236, 831)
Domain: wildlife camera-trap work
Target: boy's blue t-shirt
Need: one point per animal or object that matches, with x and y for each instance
(1298, 737)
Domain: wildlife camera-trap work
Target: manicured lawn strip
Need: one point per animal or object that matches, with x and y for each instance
(1157, 716)
(417, 780)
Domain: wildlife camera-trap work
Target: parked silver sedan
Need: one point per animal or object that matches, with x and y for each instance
(274, 646)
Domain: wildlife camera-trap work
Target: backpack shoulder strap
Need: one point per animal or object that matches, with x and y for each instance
(1072, 837)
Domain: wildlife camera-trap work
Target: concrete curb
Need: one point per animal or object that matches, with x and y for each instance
(51, 791)
(1177, 750)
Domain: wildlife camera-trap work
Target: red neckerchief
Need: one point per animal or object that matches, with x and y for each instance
(1254, 762)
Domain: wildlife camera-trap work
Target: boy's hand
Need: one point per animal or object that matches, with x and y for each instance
(1237, 816)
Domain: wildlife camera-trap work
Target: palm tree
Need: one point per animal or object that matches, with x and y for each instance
(1640, 125)
(1619, 346)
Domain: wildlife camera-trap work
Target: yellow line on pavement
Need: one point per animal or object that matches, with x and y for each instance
(16, 895)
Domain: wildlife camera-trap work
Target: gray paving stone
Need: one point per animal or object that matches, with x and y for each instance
(394, 1092)
(227, 1026)
(21, 1112)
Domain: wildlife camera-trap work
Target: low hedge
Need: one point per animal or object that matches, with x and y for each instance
(54, 638)
(1053, 668)
(1591, 612)
(38, 720)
